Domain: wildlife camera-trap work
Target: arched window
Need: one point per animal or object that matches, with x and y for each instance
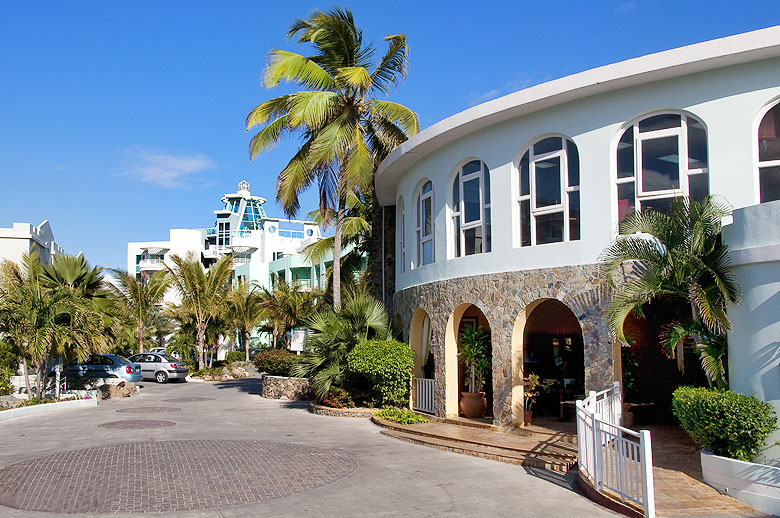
(769, 155)
(660, 158)
(401, 230)
(425, 224)
(549, 195)
(471, 209)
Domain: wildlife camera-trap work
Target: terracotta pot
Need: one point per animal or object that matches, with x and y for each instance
(527, 415)
(473, 404)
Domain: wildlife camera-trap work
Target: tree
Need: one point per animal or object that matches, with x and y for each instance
(346, 130)
(286, 305)
(244, 311)
(675, 256)
(201, 292)
(140, 299)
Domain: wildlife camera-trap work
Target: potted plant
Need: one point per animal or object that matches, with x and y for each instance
(474, 355)
(532, 387)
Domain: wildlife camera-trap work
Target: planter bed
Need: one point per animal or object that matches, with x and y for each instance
(284, 387)
(757, 485)
(314, 408)
(46, 407)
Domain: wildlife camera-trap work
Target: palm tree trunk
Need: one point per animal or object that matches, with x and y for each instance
(275, 332)
(26, 377)
(200, 339)
(246, 344)
(337, 253)
(140, 337)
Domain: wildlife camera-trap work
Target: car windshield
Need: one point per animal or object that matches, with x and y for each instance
(168, 358)
(122, 359)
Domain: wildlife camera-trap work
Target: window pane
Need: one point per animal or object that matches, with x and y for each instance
(486, 188)
(626, 203)
(659, 122)
(661, 204)
(471, 200)
(548, 181)
(625, 154)
(660, 164)
(698, 186)
(427, 252)
(697, 145)
(487, 230)
(525, 223)
(456, 194)
(525, 183)
(547, 145)
(769, 136)
(457, 236)
(418, 212)
(427, 219)
(549, 228)
(427, 187)
(473, 241)
(573, 162)
(419, 247)
(574, 215)
(472, 167)
(770, 183)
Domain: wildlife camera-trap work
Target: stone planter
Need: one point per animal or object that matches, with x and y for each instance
(282, 387)
(757, 485)
(341, 412)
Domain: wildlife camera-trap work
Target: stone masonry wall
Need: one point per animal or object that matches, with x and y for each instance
(279, 387)
(501, 297)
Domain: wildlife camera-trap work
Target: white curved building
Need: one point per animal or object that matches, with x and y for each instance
(502, 210)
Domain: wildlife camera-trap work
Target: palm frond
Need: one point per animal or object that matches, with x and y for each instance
(284, 65)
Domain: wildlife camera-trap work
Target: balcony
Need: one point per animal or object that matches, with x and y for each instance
(150, 265)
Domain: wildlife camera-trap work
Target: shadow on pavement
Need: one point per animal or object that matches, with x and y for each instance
(566, 480)
(248, 385)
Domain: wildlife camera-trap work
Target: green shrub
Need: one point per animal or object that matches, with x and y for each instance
(388, 365)
(5, 381)
(400, 416)
(235, 356)
(729, 424)
(276, 362)
(337, 398)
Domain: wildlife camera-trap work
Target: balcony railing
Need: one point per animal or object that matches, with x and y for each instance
(291, 233)
(151, 264)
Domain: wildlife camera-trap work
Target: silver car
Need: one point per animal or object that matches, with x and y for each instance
(160, 367)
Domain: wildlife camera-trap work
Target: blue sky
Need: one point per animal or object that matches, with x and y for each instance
(120, 120)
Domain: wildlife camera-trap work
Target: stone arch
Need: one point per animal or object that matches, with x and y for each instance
(419, 340)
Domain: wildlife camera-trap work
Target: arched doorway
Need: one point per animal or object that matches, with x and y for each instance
(455, 374)
(547, 341)
(424, 365)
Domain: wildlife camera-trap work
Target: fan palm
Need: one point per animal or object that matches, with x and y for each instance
(140, 300)
(674, 256)
(244, 310)
(286, 305)
(346, 130)
(201, 292)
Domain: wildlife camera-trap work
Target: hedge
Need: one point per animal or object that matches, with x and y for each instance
(729, 424)
(388, 365)
(235, 356)
(276, 362)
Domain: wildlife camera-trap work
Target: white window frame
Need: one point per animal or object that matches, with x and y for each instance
(685, 172)
(767, 163)
(457, 211)
(563, 207)
(402, 229)
(422, 239)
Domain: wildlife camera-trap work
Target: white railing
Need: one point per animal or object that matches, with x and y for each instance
(423, 395)
(615, 458)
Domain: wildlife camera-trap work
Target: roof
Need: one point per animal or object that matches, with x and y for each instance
(692, 59)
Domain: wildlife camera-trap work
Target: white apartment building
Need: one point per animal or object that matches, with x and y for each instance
(23, 238)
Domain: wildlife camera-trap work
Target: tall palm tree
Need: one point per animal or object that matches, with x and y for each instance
(201, 292)
(674, 256)
(285, 305)
(346, 130)
(141, 299)
(244, 312)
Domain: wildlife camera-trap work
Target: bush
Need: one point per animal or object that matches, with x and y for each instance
(337, 398)
(729, 424)
(400, 416)
(388, 365)
(235, 356)
(5, 382)
(276, 362)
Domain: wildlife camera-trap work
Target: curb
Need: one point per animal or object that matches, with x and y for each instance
(13, 413)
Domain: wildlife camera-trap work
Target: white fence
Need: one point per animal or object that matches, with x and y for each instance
(615, 458)
(423, 395)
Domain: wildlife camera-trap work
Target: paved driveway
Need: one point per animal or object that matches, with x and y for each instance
(220, 450)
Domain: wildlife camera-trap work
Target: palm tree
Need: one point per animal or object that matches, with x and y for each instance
(335, 335)
(286, 305)
(244, 311)
(201, 292)
(675, 256)
(346, 130)
(141, 299)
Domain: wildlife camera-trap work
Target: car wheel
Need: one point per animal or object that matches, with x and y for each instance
(161, 377)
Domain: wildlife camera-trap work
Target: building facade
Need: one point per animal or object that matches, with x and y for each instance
(501, 211)
(24, 238)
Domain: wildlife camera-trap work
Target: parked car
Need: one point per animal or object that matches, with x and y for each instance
(160, 367)
(103, 366)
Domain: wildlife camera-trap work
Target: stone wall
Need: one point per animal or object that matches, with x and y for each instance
(502, 297)
(342, 412)
(280, 387)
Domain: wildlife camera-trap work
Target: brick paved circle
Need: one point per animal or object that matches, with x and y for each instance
(168, 476)
(137, 424)
(149, 410)
(188, 399)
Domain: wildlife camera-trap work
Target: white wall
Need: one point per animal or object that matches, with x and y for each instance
(727, 101)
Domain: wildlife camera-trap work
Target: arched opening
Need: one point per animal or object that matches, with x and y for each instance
(456, 377)
(422, 397)
(547, 341)
(398, 327)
